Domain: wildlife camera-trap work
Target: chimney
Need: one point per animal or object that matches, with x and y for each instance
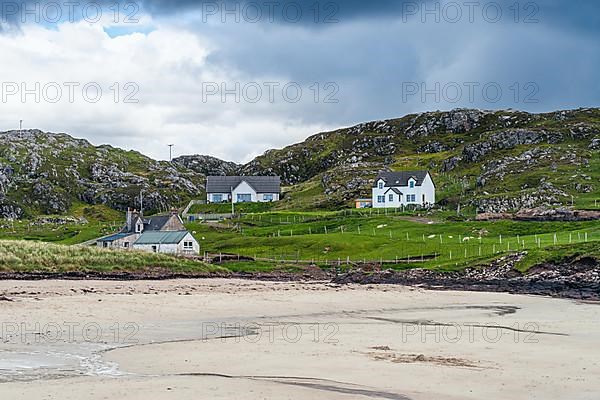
(174, 211)
(129, 219)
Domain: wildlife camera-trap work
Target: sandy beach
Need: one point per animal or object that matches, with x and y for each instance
(224, 339)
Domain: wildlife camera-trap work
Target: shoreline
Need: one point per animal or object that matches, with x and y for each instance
(578, 278)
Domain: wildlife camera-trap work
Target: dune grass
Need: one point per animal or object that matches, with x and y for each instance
(24, 256)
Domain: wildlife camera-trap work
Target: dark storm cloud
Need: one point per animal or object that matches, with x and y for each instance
(372, 50)
(339, 9)
(573, 15)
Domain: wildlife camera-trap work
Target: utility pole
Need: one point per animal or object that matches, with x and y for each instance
(170, 152)
(232, 206)
(142, 201)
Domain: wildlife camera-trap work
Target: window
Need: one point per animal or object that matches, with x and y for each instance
(268, 197)
(380, 185)
(411, 198)
(126, 245)
(244, 198)
(138, 228)
(217, 198)
(391, 197)
(411, 184)
(105, 244)
(188, 245)
(381, 199)
(154, 249)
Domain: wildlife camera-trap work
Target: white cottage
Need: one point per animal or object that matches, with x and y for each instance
(242, 189)
(159, 234)
(178, 242)
(395, 189)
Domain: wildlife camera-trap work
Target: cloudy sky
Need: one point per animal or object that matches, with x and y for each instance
(233, 79)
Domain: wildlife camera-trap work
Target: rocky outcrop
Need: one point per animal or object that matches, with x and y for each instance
(545, 195)
(44, 173)
(556, 214)
(207, 165)
(349, 182)
(507, 140)
(577, 278)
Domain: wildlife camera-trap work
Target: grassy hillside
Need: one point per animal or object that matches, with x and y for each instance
(485, 160)
(490, 161)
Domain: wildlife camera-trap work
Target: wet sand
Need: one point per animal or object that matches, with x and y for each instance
(224, 339)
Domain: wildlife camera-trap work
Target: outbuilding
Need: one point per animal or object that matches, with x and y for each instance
(177, 242)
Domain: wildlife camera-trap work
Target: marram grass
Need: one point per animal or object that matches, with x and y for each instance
(23, 256)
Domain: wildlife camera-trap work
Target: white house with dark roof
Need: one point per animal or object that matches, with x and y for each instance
(168, 242)
(243, 189)
(396, 189)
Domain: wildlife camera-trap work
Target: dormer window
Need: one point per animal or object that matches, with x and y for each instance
(138, 228)
(411, 183)
(380, 185)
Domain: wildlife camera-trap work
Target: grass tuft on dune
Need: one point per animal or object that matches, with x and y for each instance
(25, 256)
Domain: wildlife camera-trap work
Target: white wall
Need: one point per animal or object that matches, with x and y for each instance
(119, 244)
(261, 197)
(244, 188)
(426, 189)
(161, 248)
(172, 248)
(187, 238)
(225, 197)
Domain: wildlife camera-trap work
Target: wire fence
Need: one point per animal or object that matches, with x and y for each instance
(447, 248)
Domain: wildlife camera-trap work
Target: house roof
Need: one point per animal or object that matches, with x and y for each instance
(114, 237)
(401, 178)
(393, 189)
(160, 237)
(155, 223)
(262, 184)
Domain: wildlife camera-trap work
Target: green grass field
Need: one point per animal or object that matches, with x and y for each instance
(285, 240)
(225, 208)
(400, 240)
(101, 221)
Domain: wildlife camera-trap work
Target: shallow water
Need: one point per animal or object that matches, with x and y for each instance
(50, 364)
(40, 360)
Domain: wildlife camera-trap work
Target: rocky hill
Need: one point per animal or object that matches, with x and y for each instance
(207, 165)
(46, 173)
(493, 161)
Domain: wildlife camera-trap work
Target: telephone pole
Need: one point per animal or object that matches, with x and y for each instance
(142, 201)
(170, 152)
